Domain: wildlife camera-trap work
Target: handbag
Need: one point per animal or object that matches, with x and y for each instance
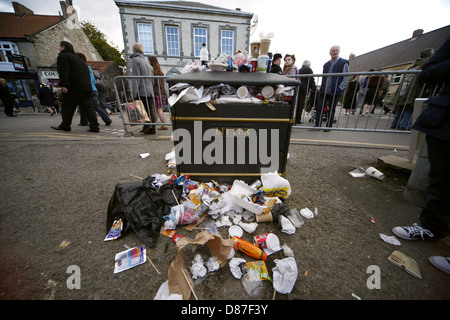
(136, 112)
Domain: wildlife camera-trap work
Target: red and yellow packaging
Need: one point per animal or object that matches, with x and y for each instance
(249, 249)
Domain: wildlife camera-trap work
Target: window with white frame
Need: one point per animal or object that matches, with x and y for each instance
(145, 37)
(200, 36)
(227, 41)
(396, 78)
(7, 49)
(172, 41)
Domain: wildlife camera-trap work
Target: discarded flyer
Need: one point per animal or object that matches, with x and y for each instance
(129, 258)
(115, 231)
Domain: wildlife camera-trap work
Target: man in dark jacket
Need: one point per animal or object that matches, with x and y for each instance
(435, 123)
(75, 84)
(306, 85)
(7, 98)
(332, 87)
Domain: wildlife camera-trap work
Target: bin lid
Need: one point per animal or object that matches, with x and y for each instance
(233, 78)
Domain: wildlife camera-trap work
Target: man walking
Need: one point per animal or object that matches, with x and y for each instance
(75, 84)
(332, 87)
(6, 97)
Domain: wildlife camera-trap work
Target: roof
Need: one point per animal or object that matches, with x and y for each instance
(183, 5)
(403, 52)
(100, 65)
(17, 27)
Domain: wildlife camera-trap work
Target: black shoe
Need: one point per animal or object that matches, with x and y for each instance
(108, 123)
(94, 130)
(60, 128)
(149, 130)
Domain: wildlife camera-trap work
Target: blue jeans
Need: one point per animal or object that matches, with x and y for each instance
(405, 113)
(101, 112)
(436, 214)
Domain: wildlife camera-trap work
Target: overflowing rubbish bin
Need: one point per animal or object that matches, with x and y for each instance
(231, 125)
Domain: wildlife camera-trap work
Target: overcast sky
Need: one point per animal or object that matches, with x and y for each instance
(305, 28)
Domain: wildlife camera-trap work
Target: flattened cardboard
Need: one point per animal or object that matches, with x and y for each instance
(218, 247)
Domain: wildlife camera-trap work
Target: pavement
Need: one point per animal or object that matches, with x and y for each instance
(56, 187)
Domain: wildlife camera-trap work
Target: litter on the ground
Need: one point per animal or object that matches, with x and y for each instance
(285, 275)
(371, 171)
(115, 231)
(129, 258)
(159, 204)
(390, 239)
(406, 263)
(307, 213)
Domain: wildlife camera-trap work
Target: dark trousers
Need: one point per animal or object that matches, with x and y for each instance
(101, 112)
(83, 99)
(436, 214)
(324, 101)
(9, 108)
(300, 106)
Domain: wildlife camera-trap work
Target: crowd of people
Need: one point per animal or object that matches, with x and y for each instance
(79, 89)
(363, 92)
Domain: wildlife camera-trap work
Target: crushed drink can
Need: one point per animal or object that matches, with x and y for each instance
(203, 207)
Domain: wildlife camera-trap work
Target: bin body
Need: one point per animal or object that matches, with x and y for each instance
(236, 140)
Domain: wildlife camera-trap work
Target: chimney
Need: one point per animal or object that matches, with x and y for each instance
(20, 10)
(417, 33)
(67, 8)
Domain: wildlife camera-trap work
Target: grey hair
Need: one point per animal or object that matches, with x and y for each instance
(306, 63)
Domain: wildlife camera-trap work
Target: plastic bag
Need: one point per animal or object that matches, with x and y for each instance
(285, 275)
(275, 186)
(141, 206)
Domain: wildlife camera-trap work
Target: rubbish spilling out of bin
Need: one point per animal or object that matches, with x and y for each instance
(164, 204)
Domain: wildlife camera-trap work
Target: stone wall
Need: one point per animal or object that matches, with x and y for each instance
(46, 43)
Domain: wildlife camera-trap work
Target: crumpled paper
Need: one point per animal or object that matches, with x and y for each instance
(390, 239)
(284, 275)
(286, 225)
(234, 267)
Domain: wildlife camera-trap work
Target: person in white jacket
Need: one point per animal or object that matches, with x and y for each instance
(204, 55)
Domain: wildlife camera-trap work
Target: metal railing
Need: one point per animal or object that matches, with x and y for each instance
(358, 108)
(140, 107)
(382, 107)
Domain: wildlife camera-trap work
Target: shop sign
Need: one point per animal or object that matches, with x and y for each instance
(50, 74)
(19, 63)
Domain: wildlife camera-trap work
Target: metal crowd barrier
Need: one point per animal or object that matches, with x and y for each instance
(355, 109)
(137, 108)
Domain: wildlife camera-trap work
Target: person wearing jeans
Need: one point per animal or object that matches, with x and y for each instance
(434, 121)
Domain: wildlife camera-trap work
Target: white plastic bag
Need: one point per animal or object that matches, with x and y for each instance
(275, 186)
(164, 293)
(285, 275)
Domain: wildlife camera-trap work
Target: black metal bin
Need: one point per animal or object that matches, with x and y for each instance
(236, 140)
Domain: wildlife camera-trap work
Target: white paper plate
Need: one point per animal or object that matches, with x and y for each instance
(235, 231)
